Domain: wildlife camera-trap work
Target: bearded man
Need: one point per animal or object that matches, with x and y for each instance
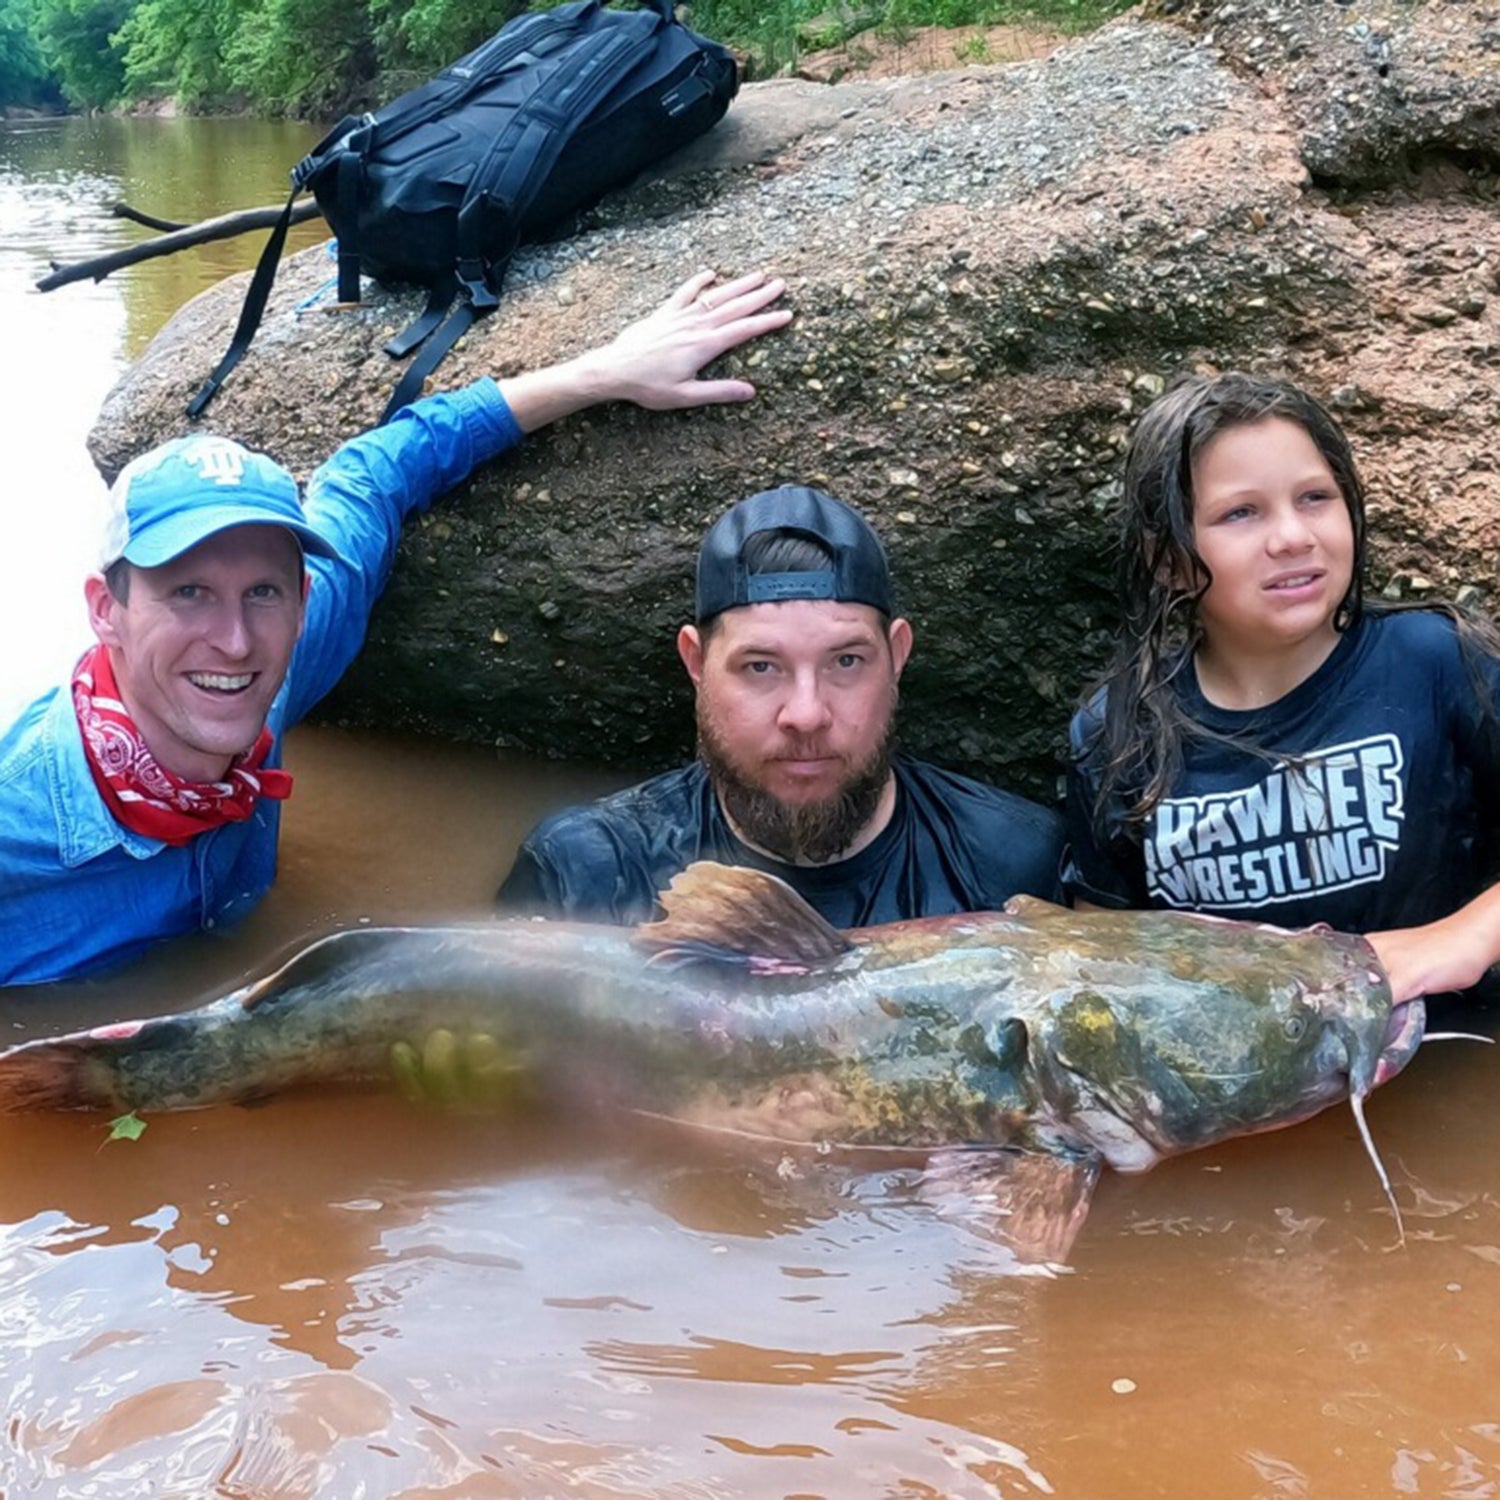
(795, 655)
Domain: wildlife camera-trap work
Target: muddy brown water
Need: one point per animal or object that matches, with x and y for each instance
(343, 1297)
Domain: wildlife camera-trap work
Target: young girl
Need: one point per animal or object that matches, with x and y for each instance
(1266, 744)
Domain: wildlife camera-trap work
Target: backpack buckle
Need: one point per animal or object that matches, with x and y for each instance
(474, 283)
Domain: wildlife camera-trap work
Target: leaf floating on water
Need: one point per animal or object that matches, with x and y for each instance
(129, 1127)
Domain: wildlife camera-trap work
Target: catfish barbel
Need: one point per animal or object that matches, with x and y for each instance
(1068, 1038)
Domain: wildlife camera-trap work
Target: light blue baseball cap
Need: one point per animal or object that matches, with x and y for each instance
(187, 489)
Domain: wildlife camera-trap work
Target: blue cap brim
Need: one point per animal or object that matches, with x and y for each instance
(175, 535)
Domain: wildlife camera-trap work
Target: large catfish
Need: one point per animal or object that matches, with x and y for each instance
(1064, 1039)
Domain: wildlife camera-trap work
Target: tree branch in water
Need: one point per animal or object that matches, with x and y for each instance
(125, 211)
(222, 228)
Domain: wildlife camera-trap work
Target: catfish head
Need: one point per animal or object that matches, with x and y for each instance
(1178, 1031)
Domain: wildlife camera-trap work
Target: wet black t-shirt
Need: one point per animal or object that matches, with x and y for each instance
(1377, 810)
(952, 845)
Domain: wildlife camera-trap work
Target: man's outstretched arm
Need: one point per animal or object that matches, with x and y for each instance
(360, 497)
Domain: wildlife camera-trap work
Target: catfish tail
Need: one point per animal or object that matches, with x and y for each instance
(76, 1072)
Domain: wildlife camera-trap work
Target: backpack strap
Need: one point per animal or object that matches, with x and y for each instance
(479, 293)
(349, 135)
(345, 147)
(250, 313)
(434, 350)
(439, 300)
(348, 169)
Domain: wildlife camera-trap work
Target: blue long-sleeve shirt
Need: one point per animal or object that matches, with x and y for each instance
(77, 890)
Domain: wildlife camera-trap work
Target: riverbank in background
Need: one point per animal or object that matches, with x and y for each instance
(325, 57)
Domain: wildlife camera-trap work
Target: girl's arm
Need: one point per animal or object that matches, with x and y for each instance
(1454, 953)
(1450, 954)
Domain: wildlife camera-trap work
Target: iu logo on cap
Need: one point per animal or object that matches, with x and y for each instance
(217, 460)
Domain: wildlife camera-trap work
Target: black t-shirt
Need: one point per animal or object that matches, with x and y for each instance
(1377, 810)
(952, 845)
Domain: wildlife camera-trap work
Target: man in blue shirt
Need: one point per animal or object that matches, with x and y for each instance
(795, 654)
(142, 800)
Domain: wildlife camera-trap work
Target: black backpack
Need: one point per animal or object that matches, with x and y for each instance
(443, 184)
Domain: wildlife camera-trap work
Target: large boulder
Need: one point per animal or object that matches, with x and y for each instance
(994, 270)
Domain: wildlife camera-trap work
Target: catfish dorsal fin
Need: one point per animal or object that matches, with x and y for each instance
(746, 912)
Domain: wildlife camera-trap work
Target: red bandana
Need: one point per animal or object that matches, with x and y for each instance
(146, 797)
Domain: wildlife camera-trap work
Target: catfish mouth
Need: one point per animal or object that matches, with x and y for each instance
(1403, 1035)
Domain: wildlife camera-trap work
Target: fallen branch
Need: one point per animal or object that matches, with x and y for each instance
(222, 228)
(125, 211)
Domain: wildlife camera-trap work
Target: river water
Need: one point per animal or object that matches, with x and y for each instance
(343, 1297)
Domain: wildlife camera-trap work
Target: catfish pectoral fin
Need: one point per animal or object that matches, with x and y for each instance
(1034, 1202)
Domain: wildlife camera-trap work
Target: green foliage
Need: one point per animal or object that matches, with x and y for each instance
(23, 74)
(314, 56)
(974, 50)
(1063, 15)
(775, 32)
(772, 32)
(425, 35)
(304, 55)
(176, 48)
(73, 38)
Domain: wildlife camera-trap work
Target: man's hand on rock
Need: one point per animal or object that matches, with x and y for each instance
(655, 361)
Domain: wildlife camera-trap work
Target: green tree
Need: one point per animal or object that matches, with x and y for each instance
(305, 56)
(177, 48)
(74, 38)
(23, 74)
(425, 35)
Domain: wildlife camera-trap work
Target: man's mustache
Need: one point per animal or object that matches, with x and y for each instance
(806, 750)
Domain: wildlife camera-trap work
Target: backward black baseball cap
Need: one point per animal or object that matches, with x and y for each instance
(858, 575)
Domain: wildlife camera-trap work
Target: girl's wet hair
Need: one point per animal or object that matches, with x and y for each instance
(1162, 577)
(1138, 746)
(1161, 573)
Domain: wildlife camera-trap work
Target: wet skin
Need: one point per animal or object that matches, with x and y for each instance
(1271, 524)
(799, 693)
(200, 645)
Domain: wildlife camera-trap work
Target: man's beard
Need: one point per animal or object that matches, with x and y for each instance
(798, 833)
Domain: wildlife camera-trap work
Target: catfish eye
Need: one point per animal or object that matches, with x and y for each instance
(1295, 1027)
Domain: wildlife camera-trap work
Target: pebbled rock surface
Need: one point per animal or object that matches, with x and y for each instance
(1371, 86)
(994, 270)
